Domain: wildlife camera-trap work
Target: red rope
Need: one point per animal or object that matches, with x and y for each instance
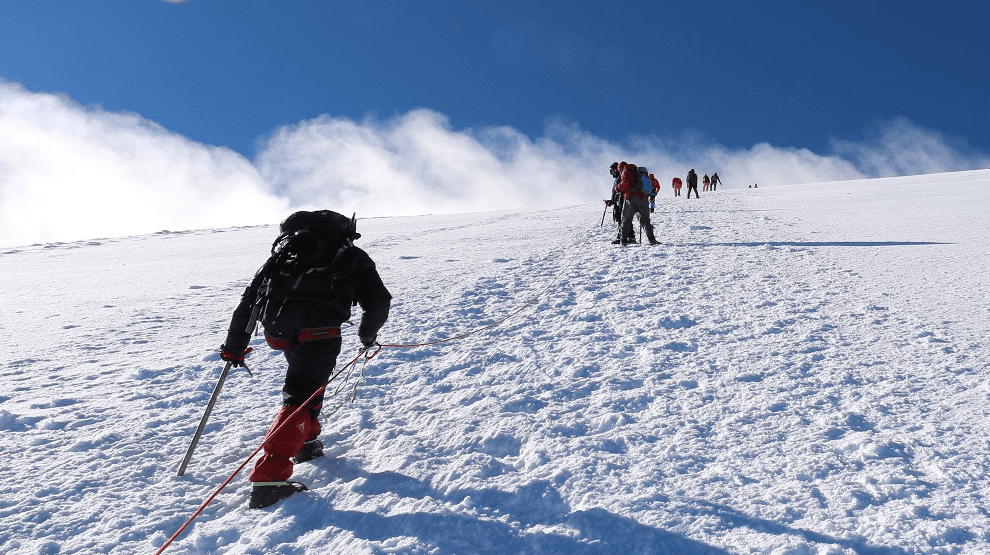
(368, 354)
(260, 447)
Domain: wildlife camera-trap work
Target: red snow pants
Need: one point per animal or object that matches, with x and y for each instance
(310, 365)
(276, 464)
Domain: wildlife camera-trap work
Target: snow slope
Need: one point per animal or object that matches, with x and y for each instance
(797, 370)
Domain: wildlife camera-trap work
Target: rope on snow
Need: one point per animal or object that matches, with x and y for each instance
(368, 354)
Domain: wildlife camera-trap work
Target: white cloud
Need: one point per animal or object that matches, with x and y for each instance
(70, 172)
(416, 164)
(900, 147)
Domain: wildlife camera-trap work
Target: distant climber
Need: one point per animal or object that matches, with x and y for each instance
(692, 184)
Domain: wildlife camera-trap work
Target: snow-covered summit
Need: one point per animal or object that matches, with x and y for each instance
(797, 370)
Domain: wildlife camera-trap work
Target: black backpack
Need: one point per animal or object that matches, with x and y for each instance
(305, 280)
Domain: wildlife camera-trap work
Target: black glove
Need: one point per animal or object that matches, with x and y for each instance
(368, 342)
(234, 359)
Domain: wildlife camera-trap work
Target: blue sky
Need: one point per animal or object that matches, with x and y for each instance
(795, 74)
(131, 116)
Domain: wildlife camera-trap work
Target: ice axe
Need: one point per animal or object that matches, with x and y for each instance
(206, 416)
(213, 399)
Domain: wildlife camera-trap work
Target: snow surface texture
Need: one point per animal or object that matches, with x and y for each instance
(797, 370)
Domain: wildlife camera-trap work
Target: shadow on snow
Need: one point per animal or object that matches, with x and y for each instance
(826, 244)
(535, 519)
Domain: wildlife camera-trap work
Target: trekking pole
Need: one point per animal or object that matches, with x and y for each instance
(206, 416)
(603, 214)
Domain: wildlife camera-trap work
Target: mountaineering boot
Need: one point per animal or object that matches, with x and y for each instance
(312, 449)
(616, 242)
(265, 494)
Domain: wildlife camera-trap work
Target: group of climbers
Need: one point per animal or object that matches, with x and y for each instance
(633, 192)
(692, 181)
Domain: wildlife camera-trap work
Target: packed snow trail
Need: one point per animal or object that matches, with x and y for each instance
(796, 370)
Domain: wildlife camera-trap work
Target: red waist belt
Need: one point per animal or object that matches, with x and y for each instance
(308, 334)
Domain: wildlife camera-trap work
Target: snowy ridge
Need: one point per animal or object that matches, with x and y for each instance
(797, 370)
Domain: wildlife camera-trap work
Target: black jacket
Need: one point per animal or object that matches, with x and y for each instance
(364, 287)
